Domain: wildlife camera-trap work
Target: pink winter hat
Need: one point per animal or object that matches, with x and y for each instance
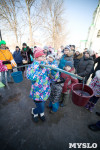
(37, 49)
(38, 53)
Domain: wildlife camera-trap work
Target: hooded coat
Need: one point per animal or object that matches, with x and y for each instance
(17, 56)
(26, 54)
(64, 60)
(40, 78)
(77, 59)
(5, 55)
(85, 66)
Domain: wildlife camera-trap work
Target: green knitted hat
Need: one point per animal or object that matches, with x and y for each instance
(2, 42)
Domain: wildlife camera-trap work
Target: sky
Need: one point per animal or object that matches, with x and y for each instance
(79, 17)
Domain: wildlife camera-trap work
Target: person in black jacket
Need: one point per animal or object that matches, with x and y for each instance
(97, 60)
(18, 58)
(85, 66)
(26, 52)
(77, 57)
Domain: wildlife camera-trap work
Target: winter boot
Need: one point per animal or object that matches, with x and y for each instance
(34, 116)
(88, 105)
(42, 117)
(50, 105)
(55, 107)
(91, 107)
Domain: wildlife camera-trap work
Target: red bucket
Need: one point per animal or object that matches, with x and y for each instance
(78, 99)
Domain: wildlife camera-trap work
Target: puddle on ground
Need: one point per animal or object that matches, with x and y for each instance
(55, 118)
(12, 98)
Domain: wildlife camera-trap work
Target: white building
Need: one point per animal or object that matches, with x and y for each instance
(93, 39)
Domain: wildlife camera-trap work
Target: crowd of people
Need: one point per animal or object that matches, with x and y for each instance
(49, 84)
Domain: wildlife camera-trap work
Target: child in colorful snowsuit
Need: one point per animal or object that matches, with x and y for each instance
(40, 89)
(69, 82)
(51, 60)
(56, 87)
(95, 85)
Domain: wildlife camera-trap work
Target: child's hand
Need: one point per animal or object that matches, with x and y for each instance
(45, 61)
(62, 84)
(58, 80)
(53, 66)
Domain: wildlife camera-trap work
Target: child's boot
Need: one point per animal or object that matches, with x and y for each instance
(42, 117)
(55, 107)
(64, 100)
(87, 106)
(50, 105)
(91, 107)
(34, 116)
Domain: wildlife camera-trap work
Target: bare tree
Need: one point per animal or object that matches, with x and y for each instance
(9, 16)
(30, 10)
(54, 22)
(29, 4)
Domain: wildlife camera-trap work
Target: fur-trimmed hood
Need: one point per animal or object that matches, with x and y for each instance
(78, 56)
(98, 74)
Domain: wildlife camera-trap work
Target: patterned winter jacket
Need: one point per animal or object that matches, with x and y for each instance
(69, 82)
(40, 89)
(95, 84)
(3, 67)
(53, 63)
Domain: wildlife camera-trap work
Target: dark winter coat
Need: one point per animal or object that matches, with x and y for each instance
(85, 66)
(55, 94)
(64, 60)
(17, 57)
(77, 59)
(94, 57)
(97, 60)
(26, 54)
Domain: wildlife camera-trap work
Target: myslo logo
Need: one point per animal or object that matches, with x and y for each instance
(82, 145)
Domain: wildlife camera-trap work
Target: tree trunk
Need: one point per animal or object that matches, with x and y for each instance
(30, 27)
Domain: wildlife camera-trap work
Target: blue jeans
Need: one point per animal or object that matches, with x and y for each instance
(40, 106)
(3, 76)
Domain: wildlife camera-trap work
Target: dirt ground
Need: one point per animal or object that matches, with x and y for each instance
(19, 132)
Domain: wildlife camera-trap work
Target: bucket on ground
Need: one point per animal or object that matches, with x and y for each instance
(79, 99)
(17, 76)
